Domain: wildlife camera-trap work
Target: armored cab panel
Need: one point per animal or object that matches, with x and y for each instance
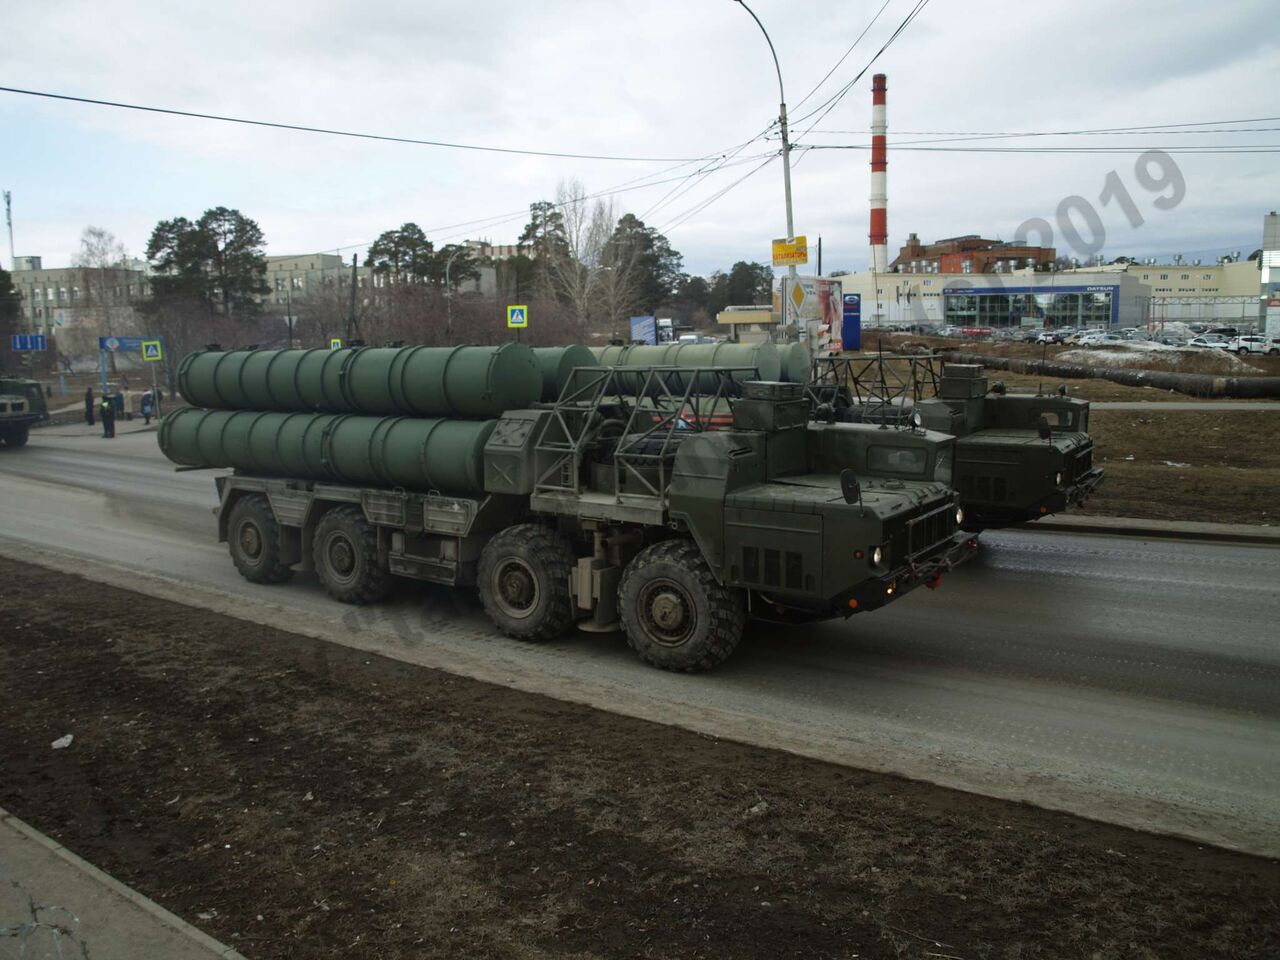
(941, 416)
(771, 406)
(961, 381)
(510, 456)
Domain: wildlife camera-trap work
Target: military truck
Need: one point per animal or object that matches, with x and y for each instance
(609, 505)
(22, 404)
(1019, 456)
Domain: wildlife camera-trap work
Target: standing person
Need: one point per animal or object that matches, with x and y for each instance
(148, 403)
(108, 409)
(88, 405)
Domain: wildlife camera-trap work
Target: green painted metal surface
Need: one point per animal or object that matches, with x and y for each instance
(557, 363)
(466, 382)
(414, 453)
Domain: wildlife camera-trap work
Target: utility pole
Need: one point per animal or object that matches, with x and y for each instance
(786, 152)
(8, 218)
(352, 323)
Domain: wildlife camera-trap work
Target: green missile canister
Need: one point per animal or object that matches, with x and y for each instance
(465, 382)
(558, 363)
(414, 453)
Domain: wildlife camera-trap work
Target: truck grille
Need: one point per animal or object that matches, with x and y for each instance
(930, 530)
(1081, 462)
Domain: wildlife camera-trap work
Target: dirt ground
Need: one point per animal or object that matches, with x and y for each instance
(299, 799)
(1187, 465)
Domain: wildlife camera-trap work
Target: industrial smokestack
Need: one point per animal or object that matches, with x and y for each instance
(879, 188)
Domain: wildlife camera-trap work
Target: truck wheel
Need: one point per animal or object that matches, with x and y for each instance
(676, 616)
(254, 538)
(524, 582)
(12, 436)
(345, 550)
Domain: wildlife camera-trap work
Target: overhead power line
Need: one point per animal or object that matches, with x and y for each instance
(1130, 149)
(1147, 128)
(844, 56)
(348, 133)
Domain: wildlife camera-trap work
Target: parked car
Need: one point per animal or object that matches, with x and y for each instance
(1256, 344)
(1210, 342)
(1101, 340)
(1048, 336)
(1224, 332)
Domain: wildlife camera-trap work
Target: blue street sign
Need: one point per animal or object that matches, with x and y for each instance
(851, 322)
(120, 344)
(19, 342)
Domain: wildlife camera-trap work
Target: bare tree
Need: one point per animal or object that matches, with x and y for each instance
(618, 286)
(576, 271)
(106, 308)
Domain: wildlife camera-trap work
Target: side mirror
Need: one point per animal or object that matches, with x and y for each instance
(1042, 427)
(825, 413)
(999, 388)
(849, 486)
(1062, 390)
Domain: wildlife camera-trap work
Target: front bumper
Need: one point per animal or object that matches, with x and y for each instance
(878, 591)
(1059, 500)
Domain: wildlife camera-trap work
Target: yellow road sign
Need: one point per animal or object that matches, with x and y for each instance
(518, 316)
(335, 343)
(152, 351)
(791, 253)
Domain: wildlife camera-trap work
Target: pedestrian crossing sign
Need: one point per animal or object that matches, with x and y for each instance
(152, 351)
(517, 316)
(335, 343)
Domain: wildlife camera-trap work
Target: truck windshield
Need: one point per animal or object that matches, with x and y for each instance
(904, 461)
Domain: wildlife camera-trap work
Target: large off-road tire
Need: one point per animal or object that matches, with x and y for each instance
(14, 436)
(524, 582)
(345, 551)
(253, 536)
(676, 616)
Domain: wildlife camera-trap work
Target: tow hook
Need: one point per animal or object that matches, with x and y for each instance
(934, 582)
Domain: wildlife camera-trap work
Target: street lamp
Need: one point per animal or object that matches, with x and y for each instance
(448, 297)
(786, 145)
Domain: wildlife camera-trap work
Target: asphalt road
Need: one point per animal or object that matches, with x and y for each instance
(1130, 681)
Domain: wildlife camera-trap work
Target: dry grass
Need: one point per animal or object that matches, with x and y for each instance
(1176, 465)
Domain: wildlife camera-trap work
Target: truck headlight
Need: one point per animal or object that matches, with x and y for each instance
(1057, 479)
(959, 516)
(876, 556)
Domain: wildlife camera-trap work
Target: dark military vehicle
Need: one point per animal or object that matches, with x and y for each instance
(608, 505)
(22, 404)
(1019, 456)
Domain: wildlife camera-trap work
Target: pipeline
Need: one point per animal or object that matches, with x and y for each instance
(465, 382)
(416, 454)
(1192, 384)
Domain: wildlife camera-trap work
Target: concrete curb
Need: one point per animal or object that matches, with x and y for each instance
(1158, 529)
(150, 908)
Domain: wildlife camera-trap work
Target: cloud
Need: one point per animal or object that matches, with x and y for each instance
(636, 77)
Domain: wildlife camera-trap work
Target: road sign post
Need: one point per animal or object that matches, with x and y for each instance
(517, 318)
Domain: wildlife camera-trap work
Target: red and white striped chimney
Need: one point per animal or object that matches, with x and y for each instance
(879, 187)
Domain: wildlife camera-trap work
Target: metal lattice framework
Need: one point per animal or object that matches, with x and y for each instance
(641, 413)
(881, 385)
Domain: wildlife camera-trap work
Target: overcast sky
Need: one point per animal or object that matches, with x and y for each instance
(676, 79)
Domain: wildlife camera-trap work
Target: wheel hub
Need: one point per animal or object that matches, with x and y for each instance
(516, 588)
(342, 558)
(250, 540)
(668, 613)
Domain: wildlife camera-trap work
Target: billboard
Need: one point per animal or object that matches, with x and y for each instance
(644, 330)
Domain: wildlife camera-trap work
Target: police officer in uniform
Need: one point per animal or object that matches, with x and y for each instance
(108, 410)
